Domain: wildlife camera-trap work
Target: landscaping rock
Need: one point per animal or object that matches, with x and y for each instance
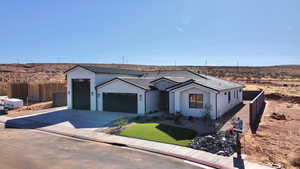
(278, 116)
(222, 143)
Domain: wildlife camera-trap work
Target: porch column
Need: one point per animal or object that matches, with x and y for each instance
(213, 103)
(177, 101)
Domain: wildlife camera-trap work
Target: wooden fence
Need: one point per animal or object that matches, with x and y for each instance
(35, 91)
(3, 89)
(257, 106)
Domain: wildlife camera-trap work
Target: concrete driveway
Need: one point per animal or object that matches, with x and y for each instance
(78, 119)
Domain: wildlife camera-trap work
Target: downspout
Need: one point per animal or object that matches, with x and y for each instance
(96, 94)
(145, 101)
(216, 106)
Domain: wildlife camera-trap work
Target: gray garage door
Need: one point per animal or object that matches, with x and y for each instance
(81, 94)
(120, 102)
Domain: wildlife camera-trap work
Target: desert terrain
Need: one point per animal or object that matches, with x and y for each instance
(273, 79)
(276, 141)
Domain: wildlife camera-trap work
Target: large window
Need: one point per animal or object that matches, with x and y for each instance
(196, 101)
(229, 97)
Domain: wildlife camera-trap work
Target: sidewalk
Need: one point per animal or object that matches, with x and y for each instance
(185, 153)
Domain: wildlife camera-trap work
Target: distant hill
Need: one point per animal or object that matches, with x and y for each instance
(40, 72)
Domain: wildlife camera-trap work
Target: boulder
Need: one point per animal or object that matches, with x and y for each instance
(278, 116)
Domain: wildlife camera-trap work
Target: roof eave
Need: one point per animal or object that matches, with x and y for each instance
(163, 78)
(121, 80)
(174, 88)
(76, 67)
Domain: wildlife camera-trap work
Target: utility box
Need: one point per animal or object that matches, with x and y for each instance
(59, 99)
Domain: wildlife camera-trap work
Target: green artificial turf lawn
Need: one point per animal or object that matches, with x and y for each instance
(160, 133)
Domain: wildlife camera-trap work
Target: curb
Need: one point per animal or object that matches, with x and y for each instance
(198, 161)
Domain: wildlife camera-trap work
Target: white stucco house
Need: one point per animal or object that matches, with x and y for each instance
(135, 91)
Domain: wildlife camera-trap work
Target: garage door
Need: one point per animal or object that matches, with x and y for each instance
(120, 102)
(81, 94)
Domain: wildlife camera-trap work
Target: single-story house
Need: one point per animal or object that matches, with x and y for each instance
(135, 91)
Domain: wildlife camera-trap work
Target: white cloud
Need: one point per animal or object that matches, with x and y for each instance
(179, 29)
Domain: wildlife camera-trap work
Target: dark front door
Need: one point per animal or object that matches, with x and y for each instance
(164, 101)
(120, 102)
(81, 94)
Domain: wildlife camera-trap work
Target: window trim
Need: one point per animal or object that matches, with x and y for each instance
(193, 103)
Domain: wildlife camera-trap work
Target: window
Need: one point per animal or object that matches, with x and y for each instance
(196, 101)
(229, 97)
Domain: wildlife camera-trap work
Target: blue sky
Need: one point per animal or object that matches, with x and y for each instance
(153, 32)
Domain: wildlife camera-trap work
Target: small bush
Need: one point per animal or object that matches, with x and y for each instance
(146, 118)
(120, 122)
(155, 118)
(206, 116)
(177, 117)
(178, 122)
(170, 117)
(296, 161)
(191, 118)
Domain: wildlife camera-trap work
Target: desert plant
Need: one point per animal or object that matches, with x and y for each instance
(296, 161)
(207, 109)
(177, 117)
(137, 118)
(120, 122)
(190, 118)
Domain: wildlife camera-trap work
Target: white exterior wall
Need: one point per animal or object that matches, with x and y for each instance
(95, 79)
(224, 105)
(179, 100)
(184, 102)
(118, 86)
(152, 100)
(80, 73)
(163, 84)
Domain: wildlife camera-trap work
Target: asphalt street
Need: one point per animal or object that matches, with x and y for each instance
(31, 149)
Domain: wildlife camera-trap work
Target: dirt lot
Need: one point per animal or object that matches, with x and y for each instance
(276, 141)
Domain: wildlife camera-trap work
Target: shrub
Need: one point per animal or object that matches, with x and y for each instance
(170, 117)
(177, 121)
(177, 116)
(190, 118)
(137, 118)
(120, 122)
(296, 161)
(155, 118)
(206, 117)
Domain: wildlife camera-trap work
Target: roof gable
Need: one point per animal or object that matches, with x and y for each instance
(116, 79)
